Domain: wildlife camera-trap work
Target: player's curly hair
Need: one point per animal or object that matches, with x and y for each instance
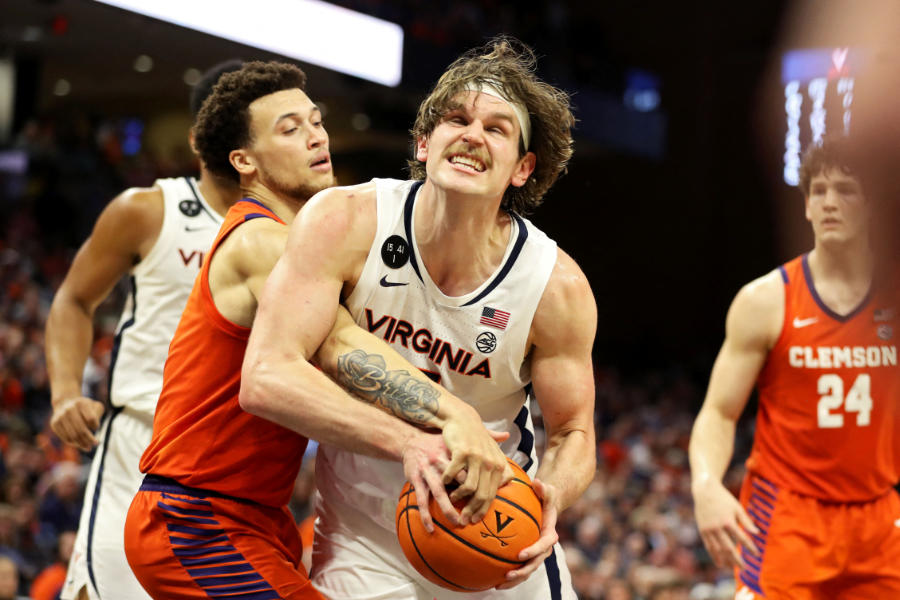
(834, 152)
(223, 123)
(508, 65)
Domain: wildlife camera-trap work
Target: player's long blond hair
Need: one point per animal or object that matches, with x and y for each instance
(508, 65)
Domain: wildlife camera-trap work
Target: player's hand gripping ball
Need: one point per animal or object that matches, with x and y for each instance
(477, 556)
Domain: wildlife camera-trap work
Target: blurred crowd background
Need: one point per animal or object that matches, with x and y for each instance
(674, 198)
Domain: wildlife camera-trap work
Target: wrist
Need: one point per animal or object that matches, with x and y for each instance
(703, 481)
(458, 411)
(405, 440)
(64, 395)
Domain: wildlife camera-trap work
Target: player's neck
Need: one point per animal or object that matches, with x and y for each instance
(285, 207)
(462, 239)
(848, 264)
(220, 193)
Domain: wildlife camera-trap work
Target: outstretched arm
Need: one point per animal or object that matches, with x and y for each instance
(297, 311)
(563, 378)
(123, 233)
(752, 325)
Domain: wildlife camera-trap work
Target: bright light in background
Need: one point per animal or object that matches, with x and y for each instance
(192, 76)
(143, 64)
(62, 87)
(641, 91)
(308, 30)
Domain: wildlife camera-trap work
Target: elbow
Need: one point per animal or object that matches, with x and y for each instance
(248, 397)
(252, 395)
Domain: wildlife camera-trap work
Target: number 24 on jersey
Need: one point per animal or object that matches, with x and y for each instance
(857, 400)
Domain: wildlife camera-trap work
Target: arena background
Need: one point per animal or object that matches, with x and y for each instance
(673, 200)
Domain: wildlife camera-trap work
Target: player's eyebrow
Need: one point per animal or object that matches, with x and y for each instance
(289, 115)
(501, 116)
(296, 115)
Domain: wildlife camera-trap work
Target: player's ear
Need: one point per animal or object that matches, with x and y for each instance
(422, 148)
(241, 161)
(806, 205)
(524, 169)
(192, 142)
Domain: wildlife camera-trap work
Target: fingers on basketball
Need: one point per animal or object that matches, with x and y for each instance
(476, 556)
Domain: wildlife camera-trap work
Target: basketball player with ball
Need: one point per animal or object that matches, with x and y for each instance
(210, 518)
(447, 271)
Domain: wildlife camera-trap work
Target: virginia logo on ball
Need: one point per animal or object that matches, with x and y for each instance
(501, 525)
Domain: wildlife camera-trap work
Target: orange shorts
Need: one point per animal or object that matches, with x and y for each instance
(187, 543)
(815, 550)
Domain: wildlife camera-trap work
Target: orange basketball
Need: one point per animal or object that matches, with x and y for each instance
(477, 556)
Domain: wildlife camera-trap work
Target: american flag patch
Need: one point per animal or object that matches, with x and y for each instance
(494, 317)
(884, 314)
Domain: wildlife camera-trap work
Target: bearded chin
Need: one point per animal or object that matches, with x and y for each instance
(306, 191)
(302, 192)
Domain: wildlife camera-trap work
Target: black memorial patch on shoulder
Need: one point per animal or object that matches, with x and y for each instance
(190, 207)
(395, 252)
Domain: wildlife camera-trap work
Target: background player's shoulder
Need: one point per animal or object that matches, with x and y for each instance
(142, 203)
(762, 294)
(765, 290)
(757, 312)
(132, 221)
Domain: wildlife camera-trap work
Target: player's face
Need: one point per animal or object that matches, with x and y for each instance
(289, 146)
(836, 207)
(474, 149)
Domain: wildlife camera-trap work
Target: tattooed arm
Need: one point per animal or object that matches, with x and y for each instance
(365, 365)
(394, 391)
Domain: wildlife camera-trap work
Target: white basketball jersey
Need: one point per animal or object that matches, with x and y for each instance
(474, 345)
(160, 285)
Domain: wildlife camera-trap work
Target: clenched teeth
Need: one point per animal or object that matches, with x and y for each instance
(474, 163)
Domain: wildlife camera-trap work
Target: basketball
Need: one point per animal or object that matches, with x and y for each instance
(477, 556)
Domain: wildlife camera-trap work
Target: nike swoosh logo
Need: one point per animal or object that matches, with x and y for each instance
(190, 229)
(385, 283)
(798, 323)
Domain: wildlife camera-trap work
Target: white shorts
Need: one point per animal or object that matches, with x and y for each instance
(354, 558)
(98, 559)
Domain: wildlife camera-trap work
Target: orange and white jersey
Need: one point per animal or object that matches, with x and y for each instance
(829, 396)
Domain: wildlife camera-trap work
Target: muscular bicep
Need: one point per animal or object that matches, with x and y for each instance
(752, 325)
(564, 388)
(561, 364)
(125, 230)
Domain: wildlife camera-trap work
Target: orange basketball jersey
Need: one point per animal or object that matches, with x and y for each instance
(829, 396)
(201, 436)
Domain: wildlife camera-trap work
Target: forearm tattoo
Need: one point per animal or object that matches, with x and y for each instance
(396, 392)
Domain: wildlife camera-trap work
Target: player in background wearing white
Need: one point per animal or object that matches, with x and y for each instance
(157, 236)
(465, 289)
